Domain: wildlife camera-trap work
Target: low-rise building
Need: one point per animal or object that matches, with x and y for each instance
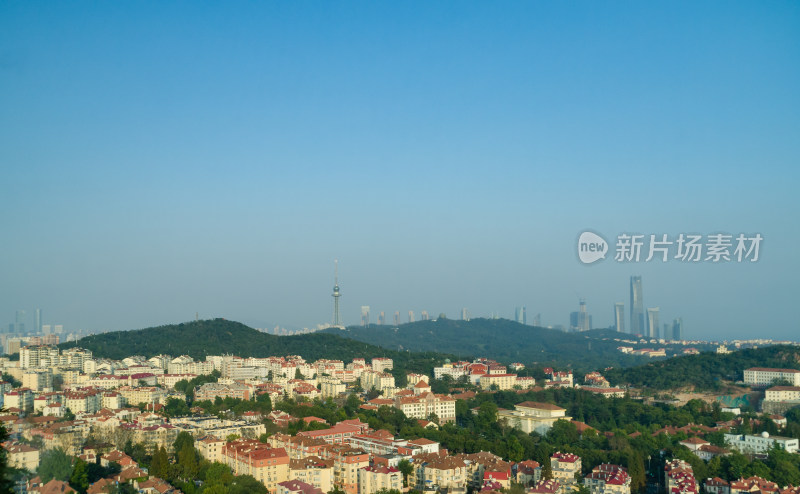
(530, 416)
(766, 376)
(564, 467)
(529, 472)
(762, 443)
(297, 487)
(608, 479)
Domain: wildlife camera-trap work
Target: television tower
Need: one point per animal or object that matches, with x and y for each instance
(337, 320)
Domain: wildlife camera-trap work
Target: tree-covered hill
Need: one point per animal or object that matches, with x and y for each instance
(705, 371)
(219, 336)
(499, 339)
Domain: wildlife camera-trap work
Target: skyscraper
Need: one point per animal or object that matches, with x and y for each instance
(520, 315)
(581, 320)
(397, 318)
(464, 314)
(425, 315)
(365, 315)
(537, 320)
(19, 325)
(619, 316)
(382, 318)
(411, 316)
(37, 321)
(637, 306)
(677, 329)
(652, 322)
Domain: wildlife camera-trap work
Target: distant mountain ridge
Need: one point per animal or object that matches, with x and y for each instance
(499, 339)
(199, 339)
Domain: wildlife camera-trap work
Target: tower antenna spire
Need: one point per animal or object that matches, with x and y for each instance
(337, 320)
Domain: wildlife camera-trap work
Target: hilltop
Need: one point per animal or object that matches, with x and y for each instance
(705, 371)
(199, 339)
(499, 339)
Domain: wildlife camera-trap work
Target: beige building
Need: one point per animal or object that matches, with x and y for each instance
(331, 387)
(38, 380)
(314, 471)
(143, 394)
(438, 471)
(783, 393)
(424, 405)
(210, 448)
(378, 477)
(531, 416)
(22, 456)
(501, 381)
(21, 398)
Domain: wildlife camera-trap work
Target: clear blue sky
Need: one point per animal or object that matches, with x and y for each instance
(161, 159)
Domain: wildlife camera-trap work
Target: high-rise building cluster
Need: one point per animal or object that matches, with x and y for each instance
(645, 322)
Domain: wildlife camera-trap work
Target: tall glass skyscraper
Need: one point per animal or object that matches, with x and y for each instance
(619, 316)
(652, 322)
(677, 329)
(637, 306)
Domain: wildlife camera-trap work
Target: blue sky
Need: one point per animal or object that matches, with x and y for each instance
(159, 160)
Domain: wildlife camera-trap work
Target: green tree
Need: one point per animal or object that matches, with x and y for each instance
(55, 464)
(159, 466)
(182, 438)
(246, 484)
(187, 460)
(79, 480)
(176, 407)
(6, 483)
(405, 468)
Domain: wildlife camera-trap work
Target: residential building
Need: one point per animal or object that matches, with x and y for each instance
(765, 376)
(608, 479)
(371, 479)
(564, 467)
(762, 443)
(529, 472)
(783, 393)
(297, 487)
(438, 471)
(531, 416)
(426, 404)
(498, 381)
(312, 470)
(22, 456)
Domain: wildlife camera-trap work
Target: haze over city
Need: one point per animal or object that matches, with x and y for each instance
(160, 161)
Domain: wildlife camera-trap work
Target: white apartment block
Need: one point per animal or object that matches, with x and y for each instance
(531, 416)
(382, 364)
(764, 376)
(761, 443)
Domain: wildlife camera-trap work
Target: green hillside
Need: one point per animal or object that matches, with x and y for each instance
(219, 336)
(706, 371)
(499, 339)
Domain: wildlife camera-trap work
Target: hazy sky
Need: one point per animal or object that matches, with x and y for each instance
(166, 158)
